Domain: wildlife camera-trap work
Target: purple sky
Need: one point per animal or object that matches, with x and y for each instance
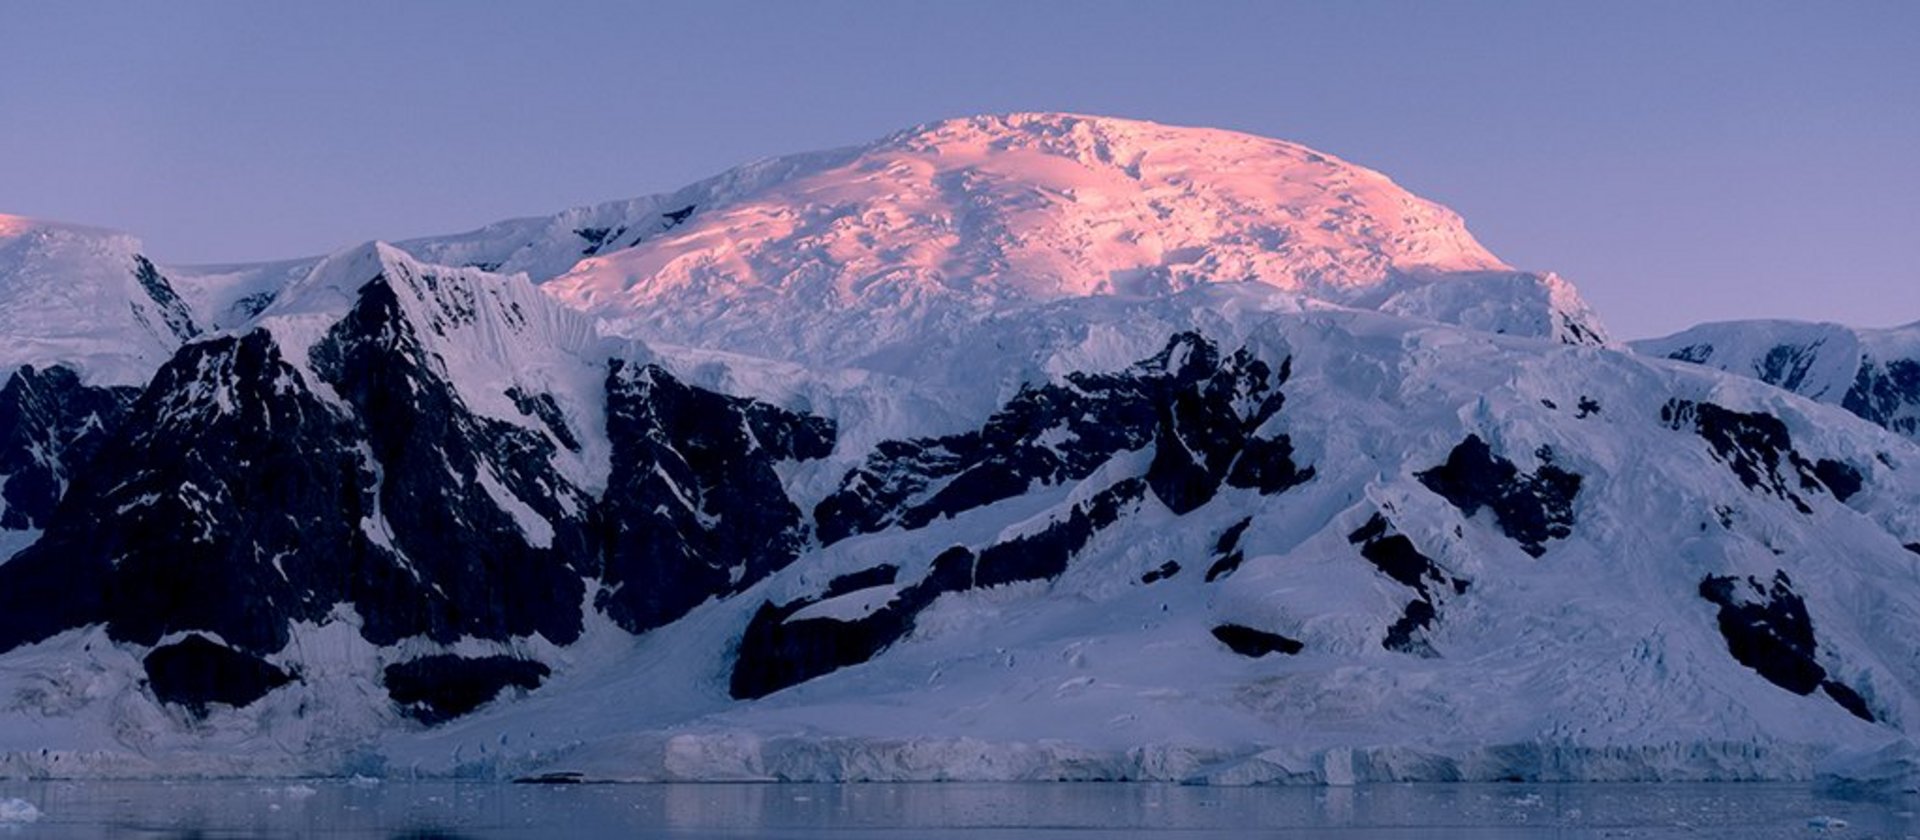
(1680, 162)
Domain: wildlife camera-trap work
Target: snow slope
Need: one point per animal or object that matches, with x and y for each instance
(78, 296)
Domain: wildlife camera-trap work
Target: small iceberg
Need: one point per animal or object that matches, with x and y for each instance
(18, 811)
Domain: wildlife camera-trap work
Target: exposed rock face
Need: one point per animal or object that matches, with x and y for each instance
(1202, 411)
(1164, 571)
(1767, 629)
(434, 689)
(247, 489)
(1531, 509)
(1250, 642)
(51, 427)
(1044, 554)
(241, 498)
(694, 508)
(783, 648)
(1396, 556)
(465, 558)
(778, 653)
(157, 539)
(1227, 555)
(1759, 449)
(173, 311)
(196, 672)
(1887, 393)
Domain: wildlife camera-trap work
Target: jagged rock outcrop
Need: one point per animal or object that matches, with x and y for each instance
(1202, 411)
(694, 508)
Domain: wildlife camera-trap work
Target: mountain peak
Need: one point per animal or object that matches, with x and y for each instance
(12, 226)
(84, 297)
(1349, 224)
(335, 280)
(1097, 139)
(832, 257)
(488, 312)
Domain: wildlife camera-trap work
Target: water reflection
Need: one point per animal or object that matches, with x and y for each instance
(480, 811)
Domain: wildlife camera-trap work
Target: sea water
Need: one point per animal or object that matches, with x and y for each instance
(385, 809)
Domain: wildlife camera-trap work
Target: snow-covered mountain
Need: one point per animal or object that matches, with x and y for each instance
(85, 319)
(1872, 373)
(85, 297)
(1064, 447)
(851, 257)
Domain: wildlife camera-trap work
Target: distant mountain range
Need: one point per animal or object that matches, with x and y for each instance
(1873, 373)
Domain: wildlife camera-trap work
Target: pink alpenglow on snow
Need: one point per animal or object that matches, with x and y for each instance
(816, 257)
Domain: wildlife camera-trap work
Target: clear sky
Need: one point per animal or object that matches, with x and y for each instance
(1679, 161)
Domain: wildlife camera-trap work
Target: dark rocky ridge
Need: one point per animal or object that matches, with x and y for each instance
(234, 503)
(693, 507)
(1407, 634)
(1759, 450)
(153, 540)
(1227, 555)
(777, 653)
(1888, 394)
(1164, 571)
(231, 498)
(1884, 391)
(465, 567)
(1043, 555)
(1200, 408)
(177, 318)
(547, 411)
(51, 427)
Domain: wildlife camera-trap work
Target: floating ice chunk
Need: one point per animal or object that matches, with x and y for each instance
(18, 811)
